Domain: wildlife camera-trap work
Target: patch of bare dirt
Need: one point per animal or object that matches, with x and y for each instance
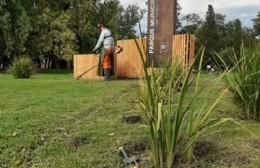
(212, 153)
(205, 148)
(207, 153)
(255, 143)
(79, 141)
(132, 119)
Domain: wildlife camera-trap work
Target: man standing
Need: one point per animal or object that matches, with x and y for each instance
(106, 60)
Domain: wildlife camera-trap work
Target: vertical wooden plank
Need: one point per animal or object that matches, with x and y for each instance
(180, 44)
(75, 66)
(192, 48)
(186, 55)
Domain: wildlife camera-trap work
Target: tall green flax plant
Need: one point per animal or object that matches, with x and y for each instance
(175, 119)
(244, 81)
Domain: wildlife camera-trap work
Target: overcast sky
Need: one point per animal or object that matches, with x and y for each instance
(244, 10)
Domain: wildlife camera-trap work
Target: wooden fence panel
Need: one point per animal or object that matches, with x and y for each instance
(183, 48)
(178, 45)
(129, 63)
(83, 63)
(86, 66)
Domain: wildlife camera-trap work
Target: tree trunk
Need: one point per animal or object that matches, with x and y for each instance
(68, 64)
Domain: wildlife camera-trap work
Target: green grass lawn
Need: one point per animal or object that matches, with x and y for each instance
(52, 120)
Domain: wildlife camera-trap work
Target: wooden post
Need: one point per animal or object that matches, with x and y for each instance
(161, 27)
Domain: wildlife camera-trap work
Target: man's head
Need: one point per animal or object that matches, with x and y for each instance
(100, 26)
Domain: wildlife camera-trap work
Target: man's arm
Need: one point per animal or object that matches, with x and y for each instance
(100, 41)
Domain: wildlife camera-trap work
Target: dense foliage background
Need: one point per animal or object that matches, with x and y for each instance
(52, 31)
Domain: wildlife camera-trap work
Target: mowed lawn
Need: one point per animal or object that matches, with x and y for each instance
(53, 120)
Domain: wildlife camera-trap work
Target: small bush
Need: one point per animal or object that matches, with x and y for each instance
(22, 68)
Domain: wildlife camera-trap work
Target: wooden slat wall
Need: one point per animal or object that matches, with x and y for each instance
(179, 48)
(82, 63)
(183, 48)
(128, 63)
(88, 62)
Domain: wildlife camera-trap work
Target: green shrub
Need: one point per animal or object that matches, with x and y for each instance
(22, 68)
(244, 81)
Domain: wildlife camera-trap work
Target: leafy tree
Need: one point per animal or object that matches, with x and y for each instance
(2, 48)
(63, 39)
(238, 36)
(127, 20)
(221, 30)
(85, 15)
(249, 35)
(256, 22)
(208, 35)
(56, 39)
(192, 23)
(83, 23)
(107, 12)
(220, 20)
(15, 27)
(2, 4)
(234, 35)
(54, 5)
(2, 42)
(34, 9)
(45, 40)
(178, 22)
